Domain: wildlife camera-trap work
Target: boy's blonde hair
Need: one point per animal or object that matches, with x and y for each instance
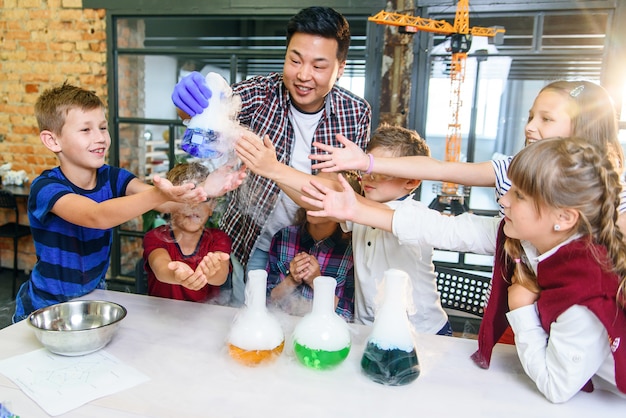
(401, 141)
(53, 105)
(572, 173)
(193, 172)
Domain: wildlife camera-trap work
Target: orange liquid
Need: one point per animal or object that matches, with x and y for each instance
(254, 357)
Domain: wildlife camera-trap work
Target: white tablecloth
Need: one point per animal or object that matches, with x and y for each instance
(180, 346)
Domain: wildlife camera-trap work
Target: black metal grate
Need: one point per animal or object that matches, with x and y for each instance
(462, 291)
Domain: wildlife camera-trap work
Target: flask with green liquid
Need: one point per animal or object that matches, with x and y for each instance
(321, 340)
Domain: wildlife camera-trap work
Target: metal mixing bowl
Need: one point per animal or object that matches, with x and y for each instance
(77, 327)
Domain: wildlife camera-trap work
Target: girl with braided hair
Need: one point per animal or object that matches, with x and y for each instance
(560, 262)
(566, 260)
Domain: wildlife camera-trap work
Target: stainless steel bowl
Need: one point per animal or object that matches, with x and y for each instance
(77, 327)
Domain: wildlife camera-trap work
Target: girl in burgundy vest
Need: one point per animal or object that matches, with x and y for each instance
(559, 271)
(560, 262)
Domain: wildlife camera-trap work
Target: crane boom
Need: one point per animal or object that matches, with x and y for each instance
(416, 23)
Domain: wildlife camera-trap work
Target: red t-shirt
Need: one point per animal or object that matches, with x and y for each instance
(162, 237)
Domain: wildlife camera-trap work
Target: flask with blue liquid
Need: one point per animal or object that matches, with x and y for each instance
(390, 357)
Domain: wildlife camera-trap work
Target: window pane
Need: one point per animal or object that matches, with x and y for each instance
(131, 144)
(576, 31)
(145, 84)
(132, 250)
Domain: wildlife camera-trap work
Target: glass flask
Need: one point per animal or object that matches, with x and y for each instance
(321, 340)
(256, 335)
(390, 357)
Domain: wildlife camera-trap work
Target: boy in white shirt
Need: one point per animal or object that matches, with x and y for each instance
(374, 250)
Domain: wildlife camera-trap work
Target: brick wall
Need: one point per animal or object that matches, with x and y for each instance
(44, 43)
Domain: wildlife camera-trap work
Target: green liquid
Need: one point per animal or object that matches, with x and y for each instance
(320, 359)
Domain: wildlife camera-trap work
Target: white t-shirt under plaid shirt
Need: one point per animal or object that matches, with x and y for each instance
(265, 110)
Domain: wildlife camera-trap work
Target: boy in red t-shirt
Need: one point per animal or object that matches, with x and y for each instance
(184, 259)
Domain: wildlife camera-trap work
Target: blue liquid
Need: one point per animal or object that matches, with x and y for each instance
(393, 367)
(201, 143)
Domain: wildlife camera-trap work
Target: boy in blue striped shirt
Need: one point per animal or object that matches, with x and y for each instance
(73, 208)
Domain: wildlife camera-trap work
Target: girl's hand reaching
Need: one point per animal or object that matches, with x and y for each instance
(350, 157)
(211, 263)
(259, 155)
(339, 206)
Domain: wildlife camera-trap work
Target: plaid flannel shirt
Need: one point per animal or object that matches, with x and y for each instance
(265, 110)
(334, 255)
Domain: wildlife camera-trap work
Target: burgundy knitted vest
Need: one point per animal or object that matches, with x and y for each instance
(571, 276)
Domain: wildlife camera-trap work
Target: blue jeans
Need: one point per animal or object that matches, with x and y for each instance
(258, 261)
(238, 282)
(446, 330)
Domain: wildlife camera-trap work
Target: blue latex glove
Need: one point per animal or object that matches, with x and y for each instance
(191, 94)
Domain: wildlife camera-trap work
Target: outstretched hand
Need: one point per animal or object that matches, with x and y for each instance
(191, 94)
(332, 204)
(223, 180)
(350, 157)
(211, 263)
(184, 193)
(258, 155)
(186, 276)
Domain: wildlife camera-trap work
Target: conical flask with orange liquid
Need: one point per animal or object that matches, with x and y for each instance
(256, 335)
(321, 340)
(390, 357)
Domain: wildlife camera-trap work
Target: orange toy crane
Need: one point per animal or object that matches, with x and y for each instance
(460, 41)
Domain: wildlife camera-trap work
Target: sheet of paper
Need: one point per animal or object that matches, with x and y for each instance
(59, 384)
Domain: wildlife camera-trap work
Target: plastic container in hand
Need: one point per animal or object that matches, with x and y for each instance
(212, 133)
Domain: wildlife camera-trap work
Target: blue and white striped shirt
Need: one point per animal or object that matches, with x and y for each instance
(503, 184)
(71, 260)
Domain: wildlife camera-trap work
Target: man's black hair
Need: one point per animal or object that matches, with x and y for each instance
(325, 22)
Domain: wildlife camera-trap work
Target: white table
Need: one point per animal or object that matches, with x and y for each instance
(180, 346)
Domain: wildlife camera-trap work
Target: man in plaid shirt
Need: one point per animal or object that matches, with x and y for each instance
(294, 109)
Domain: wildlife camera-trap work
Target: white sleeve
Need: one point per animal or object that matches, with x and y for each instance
(415, 224)
(560, 363)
